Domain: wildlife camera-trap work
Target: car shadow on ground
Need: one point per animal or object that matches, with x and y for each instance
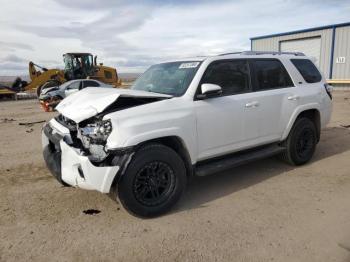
(202, 190)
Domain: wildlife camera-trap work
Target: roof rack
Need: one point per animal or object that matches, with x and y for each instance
(264, 53)
(272, 53)
(233, 53)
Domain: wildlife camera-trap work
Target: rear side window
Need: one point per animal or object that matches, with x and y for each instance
(308, 70)
(74, 85)
(231, 75)
(90, 84)
(269, 74)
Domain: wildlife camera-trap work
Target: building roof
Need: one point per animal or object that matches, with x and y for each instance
(302, 31)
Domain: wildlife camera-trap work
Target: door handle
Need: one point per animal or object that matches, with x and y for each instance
(293, 97)
(252, 104)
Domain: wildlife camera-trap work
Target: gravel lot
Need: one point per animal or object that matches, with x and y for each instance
(265, 211)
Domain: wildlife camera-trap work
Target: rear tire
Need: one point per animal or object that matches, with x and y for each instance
(153, 182)
(301, 142)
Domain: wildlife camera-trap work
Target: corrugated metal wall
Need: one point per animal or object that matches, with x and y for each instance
(342, 49)
(272, 44)
(310, 46)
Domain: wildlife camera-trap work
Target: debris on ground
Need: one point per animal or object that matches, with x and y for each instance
(29, 130)
(345, 126)
(344, 246)
(29, 124)
(7, 120)
(91, 211)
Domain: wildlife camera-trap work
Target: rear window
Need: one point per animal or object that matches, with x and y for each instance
(269, 74)
(308, 70)
(90, 84)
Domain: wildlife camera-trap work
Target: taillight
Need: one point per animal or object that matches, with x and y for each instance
(329, 90)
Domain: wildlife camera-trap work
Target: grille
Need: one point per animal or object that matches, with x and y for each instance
(72, 127)
(65, 121)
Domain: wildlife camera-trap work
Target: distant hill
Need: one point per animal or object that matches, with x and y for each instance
(129, 77)
(10, 79)
(126, 77)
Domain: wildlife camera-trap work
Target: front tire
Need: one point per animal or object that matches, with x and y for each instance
(153, 182)
(301, 142)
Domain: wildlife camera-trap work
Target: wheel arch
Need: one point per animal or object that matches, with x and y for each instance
(174, 142)
(178, 145)
(312, 113)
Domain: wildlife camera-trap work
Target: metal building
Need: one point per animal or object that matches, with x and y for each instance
(329, 45)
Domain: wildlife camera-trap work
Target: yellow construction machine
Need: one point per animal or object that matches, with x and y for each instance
(76, 66)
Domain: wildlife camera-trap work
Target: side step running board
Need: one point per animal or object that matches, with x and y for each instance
(237, 159)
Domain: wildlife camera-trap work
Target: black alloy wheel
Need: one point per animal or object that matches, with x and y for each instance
(305, 143)
(154, 183)
(301, 142)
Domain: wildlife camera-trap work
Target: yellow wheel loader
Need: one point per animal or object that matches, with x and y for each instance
(76, 66)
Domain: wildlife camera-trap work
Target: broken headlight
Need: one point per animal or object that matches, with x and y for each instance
(93, 136)
(97, 132)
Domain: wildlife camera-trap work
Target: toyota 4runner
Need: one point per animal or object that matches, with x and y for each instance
(187, 118)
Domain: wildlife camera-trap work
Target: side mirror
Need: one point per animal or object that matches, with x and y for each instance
(209, 91)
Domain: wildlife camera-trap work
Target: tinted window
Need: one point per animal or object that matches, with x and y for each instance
(308, 70)
(90, 83)
(74, 85)
(269, 74)
(231, 75)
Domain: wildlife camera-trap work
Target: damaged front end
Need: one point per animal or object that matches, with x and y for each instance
(76, 154)
(91, 137)
(75, 142)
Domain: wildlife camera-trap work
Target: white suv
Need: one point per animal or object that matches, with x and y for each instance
(183, 118)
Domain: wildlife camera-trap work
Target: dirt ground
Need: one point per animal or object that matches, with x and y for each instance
(265, 211)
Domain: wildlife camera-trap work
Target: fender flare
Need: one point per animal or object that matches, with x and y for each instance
(295, 115)
(188, 143)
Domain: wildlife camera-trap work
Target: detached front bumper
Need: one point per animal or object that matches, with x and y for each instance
(69, 165)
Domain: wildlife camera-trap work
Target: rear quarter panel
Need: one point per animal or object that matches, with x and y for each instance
(311, 96)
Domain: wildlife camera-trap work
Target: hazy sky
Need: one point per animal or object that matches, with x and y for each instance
(131, 35)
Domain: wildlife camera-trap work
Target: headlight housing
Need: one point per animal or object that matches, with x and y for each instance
(97, 132)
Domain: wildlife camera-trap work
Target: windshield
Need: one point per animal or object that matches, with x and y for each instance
(87, 61)
(167, 78)
(68, 65)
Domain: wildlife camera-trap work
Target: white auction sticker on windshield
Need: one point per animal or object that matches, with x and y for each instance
(189, 65)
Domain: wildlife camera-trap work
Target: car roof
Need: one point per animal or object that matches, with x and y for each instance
(69, 82)
(76, 80)
(245, 54)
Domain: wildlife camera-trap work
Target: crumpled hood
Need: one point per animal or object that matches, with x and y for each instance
(49, 89)
(93, 100)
